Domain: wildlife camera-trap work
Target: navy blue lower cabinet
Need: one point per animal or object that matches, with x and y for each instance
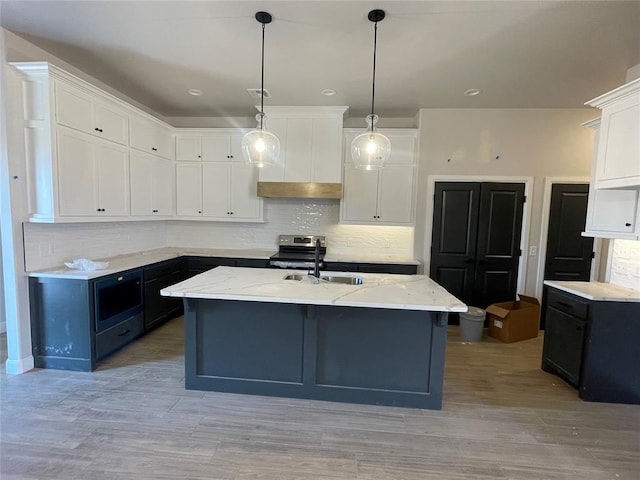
(392, 268)
(77, 323)
(593, 345)
(343, 354)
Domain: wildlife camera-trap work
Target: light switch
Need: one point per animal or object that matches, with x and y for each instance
(533, 251)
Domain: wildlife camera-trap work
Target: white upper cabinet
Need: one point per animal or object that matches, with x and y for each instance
(222, 147)
(151, 136)
(78, 143)
(188, 148)
(310, 144)
(151, 180)
(189, 189)
(384, 196)
(82, 111)
(93, 176)
(611, 212)
(213, 182)
(618, 152)
(210, 146)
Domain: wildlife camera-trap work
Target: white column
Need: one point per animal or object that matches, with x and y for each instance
(13, 208)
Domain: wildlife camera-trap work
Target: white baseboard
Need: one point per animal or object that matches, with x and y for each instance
(15, 367)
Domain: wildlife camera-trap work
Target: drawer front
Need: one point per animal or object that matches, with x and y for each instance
(162, 269)
(567, 303)
(115, 337)
(563, 345)
(340, 267)
(393, 268)
(202, 264)
(252, 262)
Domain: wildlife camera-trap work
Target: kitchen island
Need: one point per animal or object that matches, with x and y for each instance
(253, 331)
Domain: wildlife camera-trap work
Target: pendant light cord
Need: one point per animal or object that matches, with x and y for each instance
(373, 89)
(262, 83)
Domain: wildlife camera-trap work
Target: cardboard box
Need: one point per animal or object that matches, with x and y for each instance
(514, 321)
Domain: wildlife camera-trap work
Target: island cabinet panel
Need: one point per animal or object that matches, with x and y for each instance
(344, 354)
(361, 348)
(250, 341)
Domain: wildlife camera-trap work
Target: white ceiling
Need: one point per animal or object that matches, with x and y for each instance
(520, 54)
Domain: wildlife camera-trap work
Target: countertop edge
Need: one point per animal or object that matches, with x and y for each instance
(608, 292)
(144, 259)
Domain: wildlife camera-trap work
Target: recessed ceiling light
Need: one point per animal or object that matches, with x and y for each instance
(472, 92)
(195, 92)
(329, 92)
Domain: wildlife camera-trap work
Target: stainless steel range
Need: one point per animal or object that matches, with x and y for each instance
(299, 251)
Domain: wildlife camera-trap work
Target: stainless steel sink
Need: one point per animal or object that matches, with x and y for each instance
(344, 279)
(348, 280)
(295, 276)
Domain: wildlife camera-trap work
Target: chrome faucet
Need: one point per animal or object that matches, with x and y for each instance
(316, 265)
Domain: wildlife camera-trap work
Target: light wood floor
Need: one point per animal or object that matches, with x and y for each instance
(503, 418)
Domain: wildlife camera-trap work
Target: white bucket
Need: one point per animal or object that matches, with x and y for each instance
(472, 324)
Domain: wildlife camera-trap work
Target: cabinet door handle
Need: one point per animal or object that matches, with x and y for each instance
(627, 224)
(98, 129)
(124, 333)
(579, 329)
(469, 261)
(564, 304)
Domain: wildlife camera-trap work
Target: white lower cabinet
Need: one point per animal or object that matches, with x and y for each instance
(614, 213)
(93, 176)
(151, 180)
(212, 191)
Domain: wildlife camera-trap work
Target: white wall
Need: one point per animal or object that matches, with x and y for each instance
(625, 264)
(294, 216)
(528, 142)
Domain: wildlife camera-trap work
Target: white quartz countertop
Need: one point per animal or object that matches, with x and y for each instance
(399, 292)
(141, 259)
(121, 263)
(603, 292)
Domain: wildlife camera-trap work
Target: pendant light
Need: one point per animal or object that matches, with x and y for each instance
(259, 146)
(371, 149)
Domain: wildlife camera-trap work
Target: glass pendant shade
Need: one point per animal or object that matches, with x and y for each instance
(260, 147)
(370, 150)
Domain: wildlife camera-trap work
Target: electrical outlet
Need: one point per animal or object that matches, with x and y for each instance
(533, 251)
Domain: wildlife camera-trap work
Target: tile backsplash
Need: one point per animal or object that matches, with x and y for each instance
(50, 245)
(294, 216)
(625, 264)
